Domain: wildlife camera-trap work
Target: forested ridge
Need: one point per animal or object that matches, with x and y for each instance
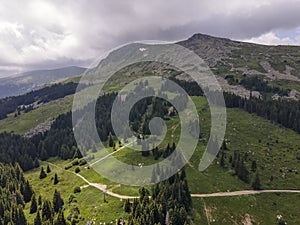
(283, 112)
(24, 102)
(60, 141)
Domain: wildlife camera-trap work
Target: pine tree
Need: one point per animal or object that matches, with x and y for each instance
(27, 192)
(127, 207)
(58, 202)
(222, 161)
(47, 213)
(42, 173)
(37, 219)
(20, 216)
(33, 206)
(40, 202)
(110, 140)
(224, 146)
(256, 183)
(60, 219)
(253, 166)
(19, 198)
(55, 181)
(48, 169)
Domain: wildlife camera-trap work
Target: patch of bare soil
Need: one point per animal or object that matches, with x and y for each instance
(247, 220)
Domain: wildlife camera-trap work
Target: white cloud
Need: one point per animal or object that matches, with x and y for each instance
(271, 38)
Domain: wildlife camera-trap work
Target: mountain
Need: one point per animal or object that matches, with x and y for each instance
(260, 151)
(242, 66)
(32, 80)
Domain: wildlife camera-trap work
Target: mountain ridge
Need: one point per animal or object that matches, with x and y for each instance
(32, 80)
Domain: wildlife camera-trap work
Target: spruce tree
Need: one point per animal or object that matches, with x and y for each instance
(33, 206)
(253, 166)
(20, 216)
(222, 161)
(60, 219)
(57, 201)
(40, 202)
(110, 140)
(37, 219)
(48, 169)
(42, 173)
(19, 198)
(127, 207)
(55, 181)
(27, 192)
(256, 183)
(47, 213)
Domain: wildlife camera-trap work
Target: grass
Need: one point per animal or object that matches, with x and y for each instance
(272, 146)
(259, 209)
(28, 121)
(90, 200)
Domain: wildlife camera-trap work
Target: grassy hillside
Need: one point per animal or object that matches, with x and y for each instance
(252, 209)
(274, 148)
(90, 200)
(28, 121)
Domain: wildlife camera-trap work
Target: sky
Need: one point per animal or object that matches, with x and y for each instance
(50, 34)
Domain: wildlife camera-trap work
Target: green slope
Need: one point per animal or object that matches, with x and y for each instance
(28, 121)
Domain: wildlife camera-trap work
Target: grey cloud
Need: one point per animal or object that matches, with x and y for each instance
(58, 34)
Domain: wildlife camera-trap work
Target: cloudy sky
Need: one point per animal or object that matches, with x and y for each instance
(49, 34)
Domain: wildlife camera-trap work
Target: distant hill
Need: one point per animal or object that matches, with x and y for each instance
(32, 80)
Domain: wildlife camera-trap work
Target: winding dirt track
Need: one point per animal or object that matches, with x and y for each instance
(243, 192)
(103, 188)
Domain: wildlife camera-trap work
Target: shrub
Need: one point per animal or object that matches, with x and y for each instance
(77, 190)
(82, 162)
(77, 170)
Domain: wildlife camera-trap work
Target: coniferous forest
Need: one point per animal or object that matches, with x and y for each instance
(168, 201)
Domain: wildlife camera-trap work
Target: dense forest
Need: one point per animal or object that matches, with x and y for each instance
(44, 95)
(60, 141)
(254, 83)
(283, 112)
(170, 203)
(16, 191)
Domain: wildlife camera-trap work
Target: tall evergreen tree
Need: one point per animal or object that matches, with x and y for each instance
(42, 173)
(48, 169)
(110, 140)
(55, 180)
(127, 207)
(253, 166)
(27, 192)
(58, 202)
(37, 219)
(33, 206)
(47, 213)
(60, 219)
(256, 183)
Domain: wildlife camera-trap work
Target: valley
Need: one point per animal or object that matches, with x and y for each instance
(253, 180)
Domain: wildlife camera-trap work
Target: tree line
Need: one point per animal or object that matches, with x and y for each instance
(24, 102)
(16, 191)
(170, 203)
